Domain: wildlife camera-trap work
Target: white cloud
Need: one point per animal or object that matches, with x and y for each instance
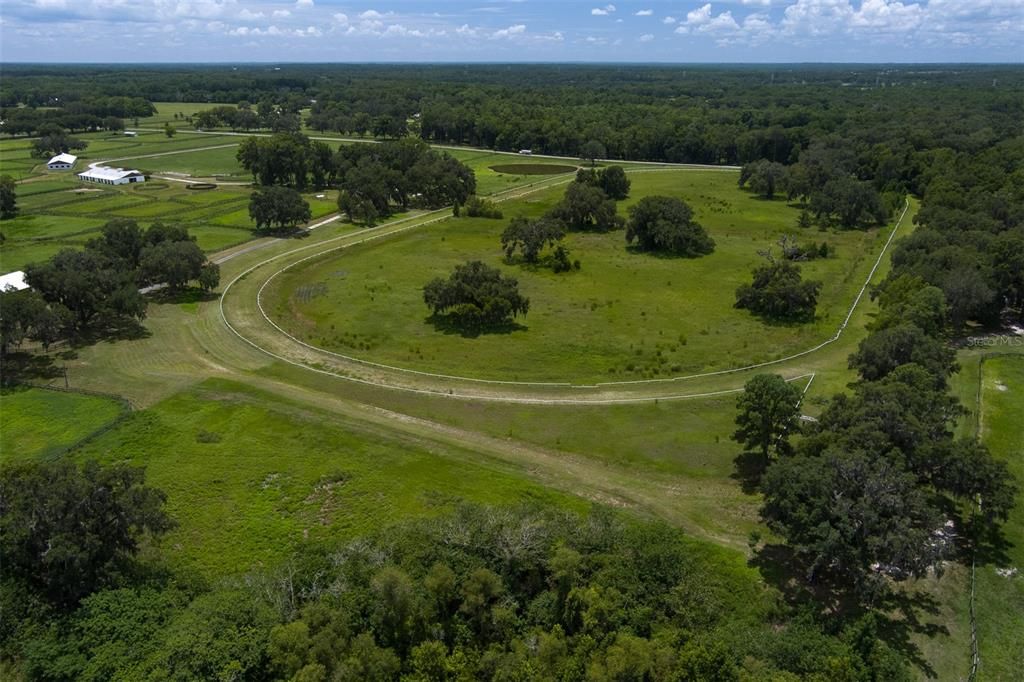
(757, 23)
(882, 15)
(816, 17)
(646, 38)
(603, 11)
(720, 24)
(510, 32)
(966, 29)
(701, 15)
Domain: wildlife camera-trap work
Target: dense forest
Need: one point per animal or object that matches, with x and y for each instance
(480, 593)
(705, 114)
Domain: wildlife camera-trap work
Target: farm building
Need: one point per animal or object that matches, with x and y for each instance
(13, 281)
(111, 176)
(62, 162)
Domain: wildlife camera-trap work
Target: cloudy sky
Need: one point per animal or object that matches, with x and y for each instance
(511, 30)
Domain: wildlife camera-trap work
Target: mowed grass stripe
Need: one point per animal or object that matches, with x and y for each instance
(1000, 598)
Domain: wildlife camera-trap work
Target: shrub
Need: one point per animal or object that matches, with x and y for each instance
(481, 208)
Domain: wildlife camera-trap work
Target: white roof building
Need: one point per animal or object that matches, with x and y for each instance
(62, 162)
(111, 176)
(13, 281)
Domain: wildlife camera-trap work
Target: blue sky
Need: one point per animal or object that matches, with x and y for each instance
(511, 30)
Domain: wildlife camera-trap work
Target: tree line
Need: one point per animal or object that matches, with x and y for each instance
(80, 293)
(79, 115)
(373, 180)
(482, 593)
(910, 493)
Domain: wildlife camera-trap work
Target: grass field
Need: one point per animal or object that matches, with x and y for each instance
(59, 211)
(38, 423)
(219, 163)
(250, 476)
(625, 315)
(1000, 598)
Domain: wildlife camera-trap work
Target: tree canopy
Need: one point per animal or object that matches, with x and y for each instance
(89, 285)
(586, 208)
(66, 531)
(475, 297)
(530, 237)
(278, 207)
(374, 179)
(763, 177)
(778, 292)
(666, 225)
(8, 198)
(97, 288)
(55, 140)
(767, 415)
(612, 180)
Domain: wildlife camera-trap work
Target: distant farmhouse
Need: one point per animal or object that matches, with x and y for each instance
(111, 176)
(62, 162)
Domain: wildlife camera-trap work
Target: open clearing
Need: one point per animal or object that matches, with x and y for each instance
(1000, 579)
(39, 423)
(623, 316)
(59, 211)
(250, 476)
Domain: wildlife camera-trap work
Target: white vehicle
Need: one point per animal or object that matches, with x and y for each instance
(526, 152)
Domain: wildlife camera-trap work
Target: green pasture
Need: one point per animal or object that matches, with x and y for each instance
(623, 316)
(37, 423)
(165, 112)
(217, 163)
(57, 210)
(1000, 598)
(518, 171)
(250, 476)
(673, 458)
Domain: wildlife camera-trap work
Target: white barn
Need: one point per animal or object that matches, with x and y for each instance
(13, 281)
(62, 162)
(111, 176)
